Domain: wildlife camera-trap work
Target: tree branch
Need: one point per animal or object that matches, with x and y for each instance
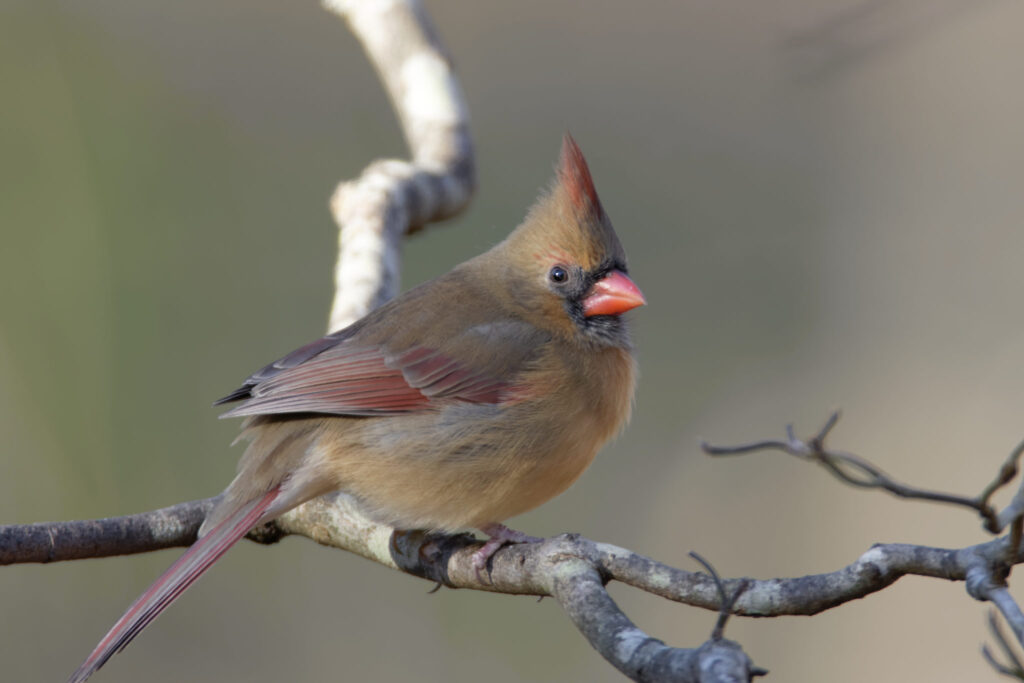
(336, 522)
(58, 541)
(393, 196)
(984, 567)
(563, 567)
(1014, 669)
(856, 471)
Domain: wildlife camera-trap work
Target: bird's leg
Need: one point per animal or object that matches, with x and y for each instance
(499, 536)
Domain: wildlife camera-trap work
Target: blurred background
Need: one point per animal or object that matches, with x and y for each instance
(821, 200)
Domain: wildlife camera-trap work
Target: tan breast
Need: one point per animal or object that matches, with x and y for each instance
(471, 465)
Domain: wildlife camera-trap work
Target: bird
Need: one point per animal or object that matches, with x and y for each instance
(461, 403)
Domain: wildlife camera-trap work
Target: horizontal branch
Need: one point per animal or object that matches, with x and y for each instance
(141, 533)
(336, 522)
(569, 568)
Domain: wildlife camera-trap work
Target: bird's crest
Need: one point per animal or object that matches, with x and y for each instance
(574, 176)
(567, 225)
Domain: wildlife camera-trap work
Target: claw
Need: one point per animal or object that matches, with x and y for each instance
(499, 536)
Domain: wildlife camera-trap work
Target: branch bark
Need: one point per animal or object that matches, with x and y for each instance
(335, 521)
(984, 567)
(393, 197)
(76, 540)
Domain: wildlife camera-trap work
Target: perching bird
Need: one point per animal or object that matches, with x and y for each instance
(465, 401)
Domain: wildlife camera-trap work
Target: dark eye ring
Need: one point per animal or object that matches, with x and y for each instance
(558, 274)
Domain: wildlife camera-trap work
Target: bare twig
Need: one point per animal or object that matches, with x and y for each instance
(1015, 669)
(1014, 511)
(856, 471)
(1008, 607)
(1006, 473)
(727, 600)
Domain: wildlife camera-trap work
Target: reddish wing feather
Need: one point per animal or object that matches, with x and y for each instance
(351, 380)
(438, 376)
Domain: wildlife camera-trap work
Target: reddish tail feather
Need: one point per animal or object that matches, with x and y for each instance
(173, 583)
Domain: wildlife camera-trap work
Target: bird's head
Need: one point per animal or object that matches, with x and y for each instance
(568, 270)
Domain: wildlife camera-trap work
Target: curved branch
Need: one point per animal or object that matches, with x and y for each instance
(392, 196)
(579, 589)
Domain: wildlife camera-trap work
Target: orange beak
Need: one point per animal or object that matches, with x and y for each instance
(613, 294)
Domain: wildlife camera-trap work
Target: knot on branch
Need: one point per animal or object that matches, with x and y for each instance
(724, 661)
(983, 579)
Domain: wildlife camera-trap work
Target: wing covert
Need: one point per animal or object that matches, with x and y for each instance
(343, 375)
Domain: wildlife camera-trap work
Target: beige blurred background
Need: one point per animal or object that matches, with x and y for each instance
(821, 199)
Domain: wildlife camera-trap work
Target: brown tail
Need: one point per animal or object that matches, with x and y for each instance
(174, 581)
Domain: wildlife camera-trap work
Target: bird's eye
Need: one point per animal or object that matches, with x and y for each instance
(558, 274)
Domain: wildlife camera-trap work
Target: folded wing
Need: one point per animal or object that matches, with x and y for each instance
(342, 374)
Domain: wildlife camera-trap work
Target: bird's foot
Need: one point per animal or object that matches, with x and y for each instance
(499, 536)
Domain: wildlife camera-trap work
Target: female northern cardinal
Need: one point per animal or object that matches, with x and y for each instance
(461, 403)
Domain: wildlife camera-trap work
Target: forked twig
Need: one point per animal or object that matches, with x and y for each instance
(1015, 669)
(857, 471)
